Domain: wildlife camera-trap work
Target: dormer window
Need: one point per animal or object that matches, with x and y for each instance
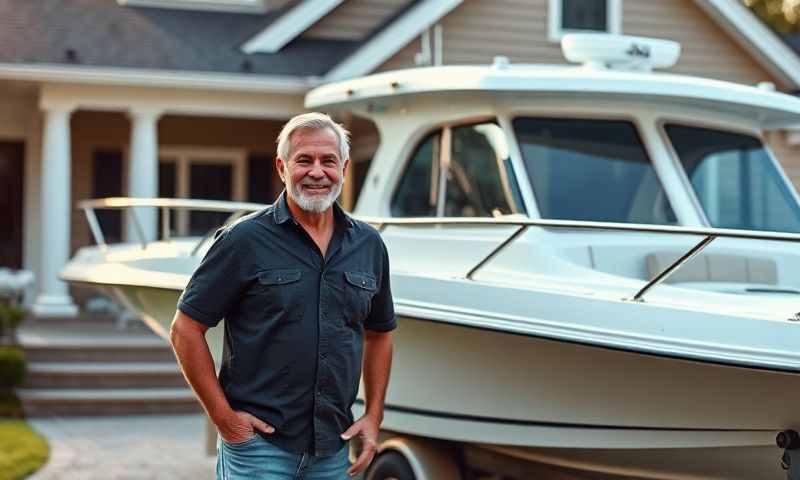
(582, 16)
(238, 6)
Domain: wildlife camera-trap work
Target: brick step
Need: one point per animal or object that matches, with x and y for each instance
(91, 375)
(65, 402)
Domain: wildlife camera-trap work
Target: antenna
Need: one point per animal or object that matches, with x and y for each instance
(619, 52)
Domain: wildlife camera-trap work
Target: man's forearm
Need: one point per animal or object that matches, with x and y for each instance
(194, 357)
(377, 365)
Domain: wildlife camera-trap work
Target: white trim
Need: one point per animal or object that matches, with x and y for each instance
(554, 13)
(289, 26)
(235, 6)
(761, 42)
(156, 78)
(391, 39)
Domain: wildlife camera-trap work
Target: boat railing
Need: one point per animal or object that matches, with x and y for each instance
(237, 209)
(129, 205)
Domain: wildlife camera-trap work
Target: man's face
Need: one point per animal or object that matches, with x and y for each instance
(314, 171)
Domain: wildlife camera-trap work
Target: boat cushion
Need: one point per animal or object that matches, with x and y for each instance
(715, 268)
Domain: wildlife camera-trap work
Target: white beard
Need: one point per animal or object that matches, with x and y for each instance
(313, 205)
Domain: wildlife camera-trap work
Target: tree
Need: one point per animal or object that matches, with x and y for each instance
(783, 16)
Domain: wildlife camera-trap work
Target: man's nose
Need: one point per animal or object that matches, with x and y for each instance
(316, 171)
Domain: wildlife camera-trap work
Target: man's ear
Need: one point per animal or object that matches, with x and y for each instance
(279, 167)
(344, 170)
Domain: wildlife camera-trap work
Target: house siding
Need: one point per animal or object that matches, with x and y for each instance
(475, 32)
(355, 19)
(707, 50)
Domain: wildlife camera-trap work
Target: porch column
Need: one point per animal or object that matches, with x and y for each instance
(56, 208)
(143, 171)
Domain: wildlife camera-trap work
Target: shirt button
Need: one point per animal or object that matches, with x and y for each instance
(363, 283)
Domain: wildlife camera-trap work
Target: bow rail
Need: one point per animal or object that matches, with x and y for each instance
(237, 209)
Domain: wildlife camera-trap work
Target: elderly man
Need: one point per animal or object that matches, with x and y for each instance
(304, 290)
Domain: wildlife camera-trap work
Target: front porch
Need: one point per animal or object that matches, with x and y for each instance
(94, 141)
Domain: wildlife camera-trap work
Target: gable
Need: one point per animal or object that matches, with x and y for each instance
(475, 32)
(356, 19)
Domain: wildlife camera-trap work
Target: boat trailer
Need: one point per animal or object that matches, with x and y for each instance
(789, 441)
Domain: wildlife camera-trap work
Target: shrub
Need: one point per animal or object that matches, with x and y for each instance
(10, 406)
(22, 450)
(12, 367)
(10, 319)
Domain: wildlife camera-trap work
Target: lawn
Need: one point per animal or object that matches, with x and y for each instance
(22, 451)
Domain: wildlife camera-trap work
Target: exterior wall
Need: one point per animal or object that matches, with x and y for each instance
(404, 58)
(477, 31)
(707, 51)
(91, 131)
(355, 19)
(20, 121)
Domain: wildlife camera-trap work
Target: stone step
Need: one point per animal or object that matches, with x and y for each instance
(93, 375)
(42, 402)
(101, 352)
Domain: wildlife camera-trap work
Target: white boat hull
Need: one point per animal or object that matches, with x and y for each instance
(587, 407)
(568, 404)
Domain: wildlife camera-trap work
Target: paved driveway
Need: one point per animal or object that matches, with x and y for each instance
(121, 448)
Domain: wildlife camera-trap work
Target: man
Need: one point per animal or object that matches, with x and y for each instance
(304, 289)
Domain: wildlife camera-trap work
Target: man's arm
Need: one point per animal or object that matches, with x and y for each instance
(191, 349)
(376, 368)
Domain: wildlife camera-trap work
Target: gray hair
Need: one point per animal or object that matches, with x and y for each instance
(317, 121)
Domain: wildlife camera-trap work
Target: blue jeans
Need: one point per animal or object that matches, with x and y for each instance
(257, 459)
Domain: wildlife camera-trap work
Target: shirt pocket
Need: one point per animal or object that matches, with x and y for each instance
(359, 289)
(279, 293)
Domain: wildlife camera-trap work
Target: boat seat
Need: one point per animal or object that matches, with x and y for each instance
(715, 268)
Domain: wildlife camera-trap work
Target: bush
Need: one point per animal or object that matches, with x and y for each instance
(10, 406)
(12, 367)
(22, 451)
(10, 319)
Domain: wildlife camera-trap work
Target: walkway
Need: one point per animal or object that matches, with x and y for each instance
(146, 447)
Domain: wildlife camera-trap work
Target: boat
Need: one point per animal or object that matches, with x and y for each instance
(594, 266)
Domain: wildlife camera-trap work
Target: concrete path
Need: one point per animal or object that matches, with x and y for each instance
(148, 447)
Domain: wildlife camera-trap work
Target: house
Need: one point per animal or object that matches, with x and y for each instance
(185, 97)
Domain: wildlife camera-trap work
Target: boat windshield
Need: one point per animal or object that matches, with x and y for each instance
(592, 170)
(737, 183)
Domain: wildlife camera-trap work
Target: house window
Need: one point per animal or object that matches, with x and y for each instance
(584, 16)
(201, 173)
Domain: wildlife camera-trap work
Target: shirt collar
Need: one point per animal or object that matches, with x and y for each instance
(283, 214)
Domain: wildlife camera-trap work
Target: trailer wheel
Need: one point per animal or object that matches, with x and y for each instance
(390, 466)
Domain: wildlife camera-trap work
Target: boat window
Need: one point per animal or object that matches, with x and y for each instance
(735, 180)
(591, 170)
(416, 194)
(479, 181)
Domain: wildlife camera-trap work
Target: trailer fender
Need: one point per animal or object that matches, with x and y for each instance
(429, 460)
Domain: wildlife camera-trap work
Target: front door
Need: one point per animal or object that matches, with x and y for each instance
(12, 155)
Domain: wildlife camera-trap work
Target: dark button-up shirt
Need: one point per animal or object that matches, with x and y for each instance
(294, 320)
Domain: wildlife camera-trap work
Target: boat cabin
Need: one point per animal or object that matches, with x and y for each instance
(608, 140)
